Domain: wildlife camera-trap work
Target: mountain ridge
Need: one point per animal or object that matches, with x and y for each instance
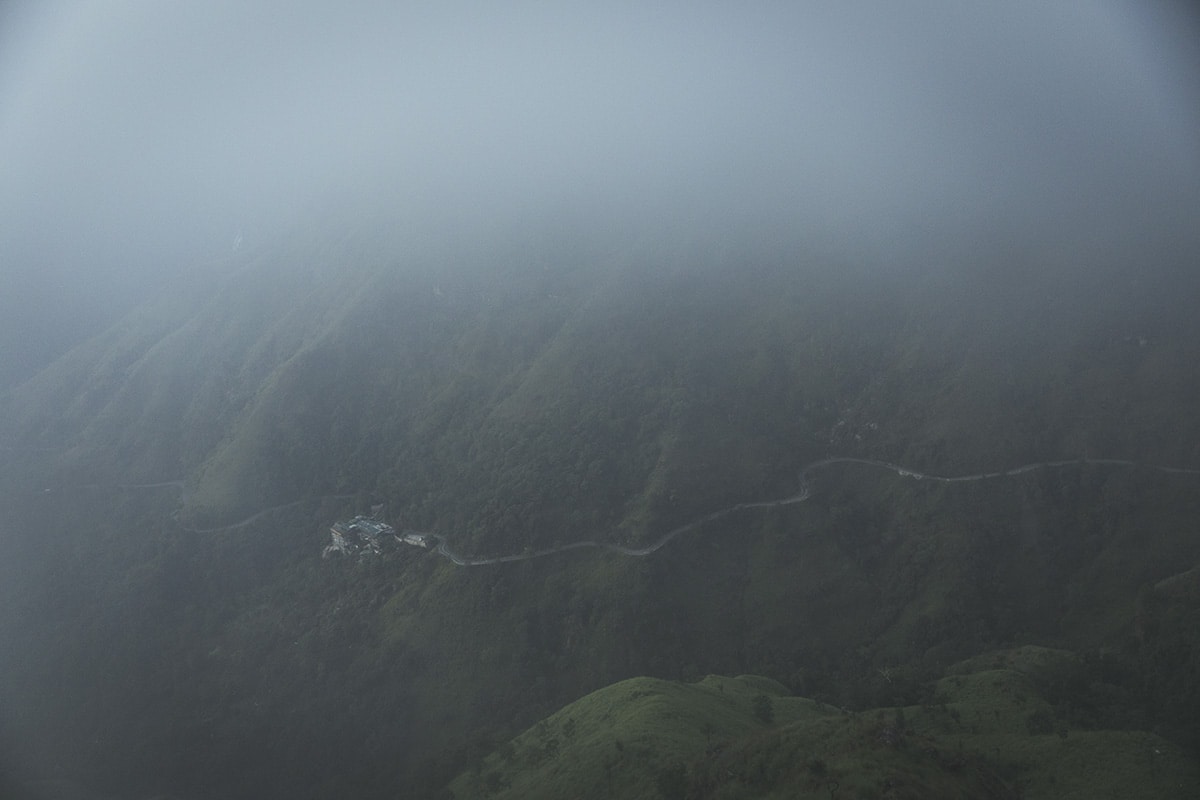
(578, 397)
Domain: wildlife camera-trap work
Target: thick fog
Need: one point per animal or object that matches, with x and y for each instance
(140, 138)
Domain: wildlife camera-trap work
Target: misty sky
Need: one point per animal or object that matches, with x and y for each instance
(137, 138)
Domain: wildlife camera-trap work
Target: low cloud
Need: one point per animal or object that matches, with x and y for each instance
(139, 138)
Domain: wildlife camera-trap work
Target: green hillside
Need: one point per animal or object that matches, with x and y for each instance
(619, 740)
(168, 488)
(990, 729)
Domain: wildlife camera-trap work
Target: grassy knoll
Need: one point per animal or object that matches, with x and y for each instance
(989, 730)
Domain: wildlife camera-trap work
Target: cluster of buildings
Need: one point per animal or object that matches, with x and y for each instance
(365, 535)
(359, 535)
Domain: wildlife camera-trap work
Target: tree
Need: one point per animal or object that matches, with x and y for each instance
(764, 709)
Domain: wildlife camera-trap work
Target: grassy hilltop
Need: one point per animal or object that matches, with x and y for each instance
(989, 729)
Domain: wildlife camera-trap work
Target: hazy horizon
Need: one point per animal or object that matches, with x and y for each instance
(137, 140)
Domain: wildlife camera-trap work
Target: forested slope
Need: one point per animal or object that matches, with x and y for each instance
(582, 394)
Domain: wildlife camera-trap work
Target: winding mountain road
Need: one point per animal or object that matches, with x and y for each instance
(260, 514)
(443, 547)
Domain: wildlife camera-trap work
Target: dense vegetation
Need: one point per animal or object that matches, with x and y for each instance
(542, 395)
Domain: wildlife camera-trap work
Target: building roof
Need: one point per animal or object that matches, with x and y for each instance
(363, 526)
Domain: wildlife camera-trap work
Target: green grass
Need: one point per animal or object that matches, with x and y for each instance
(617, 741)
(987, 732)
